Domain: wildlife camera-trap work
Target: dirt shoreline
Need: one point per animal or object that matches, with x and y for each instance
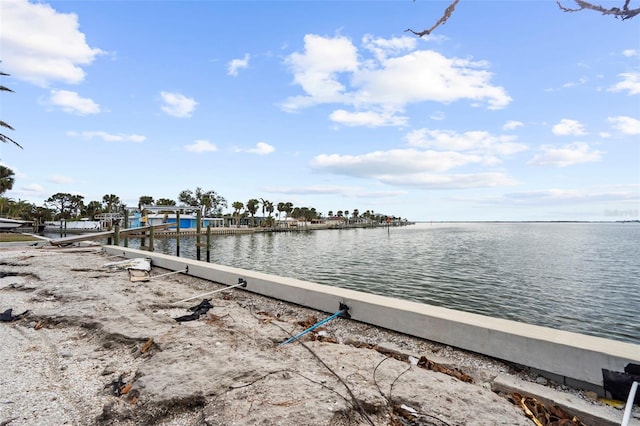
(95, 348)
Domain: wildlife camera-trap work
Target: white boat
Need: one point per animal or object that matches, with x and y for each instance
(6, 224)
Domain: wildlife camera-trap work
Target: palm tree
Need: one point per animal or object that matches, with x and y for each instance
(6, 179)
(93, 208)
(252, 208)
(145, 200)
(288, 207)
(110, 200)
(346, 215)
(237, 206)
(165, 202)
(5, 138)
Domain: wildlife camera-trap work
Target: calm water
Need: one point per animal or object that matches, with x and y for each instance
(578, 277)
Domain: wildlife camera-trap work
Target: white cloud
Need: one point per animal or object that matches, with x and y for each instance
(451, 181)
(622, 193)
(32, 188)
(568, 127)
(626, 125)
(108, 137)
(579, 82)
(382, 48)
(41, 45)
(630, 53)
(236, 64)
(367, 118)
(397, 161)
(476, 142)
(630, 83)
(59, 179)
(438, 116)
(261, 148)
(349, 191)
(512, 125)
(567, 155)
(201, 145)
(177, 105)
(316, 69)
(71, 102)
(333, 71)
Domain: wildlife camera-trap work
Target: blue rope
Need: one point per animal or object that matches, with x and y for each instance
(316, 325)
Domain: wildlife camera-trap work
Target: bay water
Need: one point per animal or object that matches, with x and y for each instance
(580, 277)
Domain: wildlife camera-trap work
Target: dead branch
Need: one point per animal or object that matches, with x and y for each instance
(447, 14)
(622, 13)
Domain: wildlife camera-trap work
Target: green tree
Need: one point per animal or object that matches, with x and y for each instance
(21, 209)
(208, 201)
(92, 209)
(111, 201)
(281, 208)
(269, 208)
(4, 138)
(288, 208)
(252, 208)
(77, 205)
(6, 179)
(62, 203)
(165, 202)
(237, 206)
(145, 200)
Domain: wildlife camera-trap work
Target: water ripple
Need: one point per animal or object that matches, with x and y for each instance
(577, 277)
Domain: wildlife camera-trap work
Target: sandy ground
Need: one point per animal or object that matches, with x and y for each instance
(96, 348)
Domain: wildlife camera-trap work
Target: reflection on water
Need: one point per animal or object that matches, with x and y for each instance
(573, 276)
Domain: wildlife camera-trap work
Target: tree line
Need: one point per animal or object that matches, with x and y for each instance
(63, 205)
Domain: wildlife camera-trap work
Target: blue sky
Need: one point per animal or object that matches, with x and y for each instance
(512, 110)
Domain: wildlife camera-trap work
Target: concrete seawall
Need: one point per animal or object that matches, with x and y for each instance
(573, 358)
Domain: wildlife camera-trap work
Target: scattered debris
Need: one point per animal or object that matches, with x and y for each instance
(7, 316)
(343, 312)
(241, 283)
(198, 310)
(543, 415)
(145, 348)
(137, 263)
(423, 362)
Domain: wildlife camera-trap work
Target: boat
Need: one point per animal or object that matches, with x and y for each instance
(9, 224)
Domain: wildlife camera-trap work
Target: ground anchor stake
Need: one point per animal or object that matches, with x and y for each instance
(344, 312)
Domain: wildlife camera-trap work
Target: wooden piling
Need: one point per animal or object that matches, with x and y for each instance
(178, 233)
(208, 243)
(125, 226)
(198, 229)
(151, 234)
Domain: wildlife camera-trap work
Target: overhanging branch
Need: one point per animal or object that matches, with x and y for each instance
(447, 14)
(622, 13)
